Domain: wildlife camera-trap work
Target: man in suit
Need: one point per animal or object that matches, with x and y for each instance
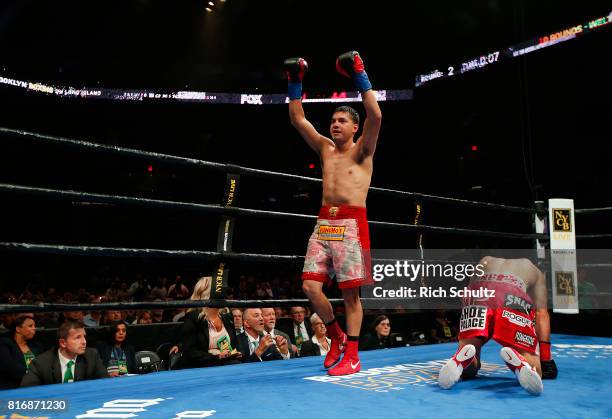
(269, 316)
(300, 330)
(237, 314)
(256, 346)
(70, 361)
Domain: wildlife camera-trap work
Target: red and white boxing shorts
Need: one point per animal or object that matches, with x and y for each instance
(508, 318)
(340, 246)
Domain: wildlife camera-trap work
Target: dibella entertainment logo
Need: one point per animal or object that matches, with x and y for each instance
(562, 221)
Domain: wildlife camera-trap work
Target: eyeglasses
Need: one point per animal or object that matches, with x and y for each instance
(299, 312)
(317, 324)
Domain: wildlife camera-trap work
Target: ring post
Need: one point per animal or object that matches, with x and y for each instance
(225, 236)
(563, 255)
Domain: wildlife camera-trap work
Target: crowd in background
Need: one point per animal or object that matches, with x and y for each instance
(203, 336)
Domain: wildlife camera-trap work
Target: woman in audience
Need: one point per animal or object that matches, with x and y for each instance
(17, 350)
(208, 338)
(118, 356)
(318, 345)
(379, 335)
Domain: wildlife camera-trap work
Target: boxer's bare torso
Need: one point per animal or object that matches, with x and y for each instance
(346, 174)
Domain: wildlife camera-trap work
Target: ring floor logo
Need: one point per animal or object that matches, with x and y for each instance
(562, 350)
(394, 377)
(129, 408)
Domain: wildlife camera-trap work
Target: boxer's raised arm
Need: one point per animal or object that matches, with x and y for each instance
(295, 69)
(351, 65)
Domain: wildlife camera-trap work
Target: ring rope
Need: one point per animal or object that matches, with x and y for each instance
(102, 198)
(137, 252)
(593, 210)
(196, 254)
(594, 236)
(138, 305)
(249, 171)
(214, 208)
(171, 305)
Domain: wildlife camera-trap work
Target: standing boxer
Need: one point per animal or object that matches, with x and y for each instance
(340, 243)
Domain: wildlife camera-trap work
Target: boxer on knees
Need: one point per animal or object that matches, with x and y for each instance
(340, 242)
(517, 318)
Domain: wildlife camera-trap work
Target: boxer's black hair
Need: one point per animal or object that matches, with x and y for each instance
(352, 112)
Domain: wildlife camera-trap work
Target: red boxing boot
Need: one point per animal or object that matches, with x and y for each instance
(336, 349)
(350, 363)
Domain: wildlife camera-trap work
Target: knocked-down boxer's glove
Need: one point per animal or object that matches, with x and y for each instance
(351, 65)
(549, 367)
(295, 69)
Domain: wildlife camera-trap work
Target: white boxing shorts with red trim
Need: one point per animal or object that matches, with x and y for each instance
(507, 318)
(340, 246)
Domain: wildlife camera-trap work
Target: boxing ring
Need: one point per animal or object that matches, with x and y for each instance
(398, 382)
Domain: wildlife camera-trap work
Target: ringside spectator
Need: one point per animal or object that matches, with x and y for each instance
(379, 336)
(253, 343)
(70, 361)
(319, 344)
(17, 351)
(117, 355)
(280, 338)
(207, 337)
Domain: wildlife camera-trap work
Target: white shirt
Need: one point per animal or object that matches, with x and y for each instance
(253, 344)
(64, 364)
(302, 327)
(323, 350)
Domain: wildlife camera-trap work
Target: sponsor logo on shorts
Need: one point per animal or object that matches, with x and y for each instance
(524, 339)
(565, 283)
(562, 220)
(517, 303)
(516, 318)
(473, 318)
(331, 233)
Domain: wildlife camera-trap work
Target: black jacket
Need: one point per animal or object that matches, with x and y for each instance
(271, 354)
(290, 330)
(310, 349)
(12, 364)
(372, 341)
(46, 368)
(194, 341)
(105, 349)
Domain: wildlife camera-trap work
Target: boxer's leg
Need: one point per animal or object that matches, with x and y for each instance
(525, 367)
(464, 364)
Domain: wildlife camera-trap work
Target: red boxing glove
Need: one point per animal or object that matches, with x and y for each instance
(295, 69)
(351, 65)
